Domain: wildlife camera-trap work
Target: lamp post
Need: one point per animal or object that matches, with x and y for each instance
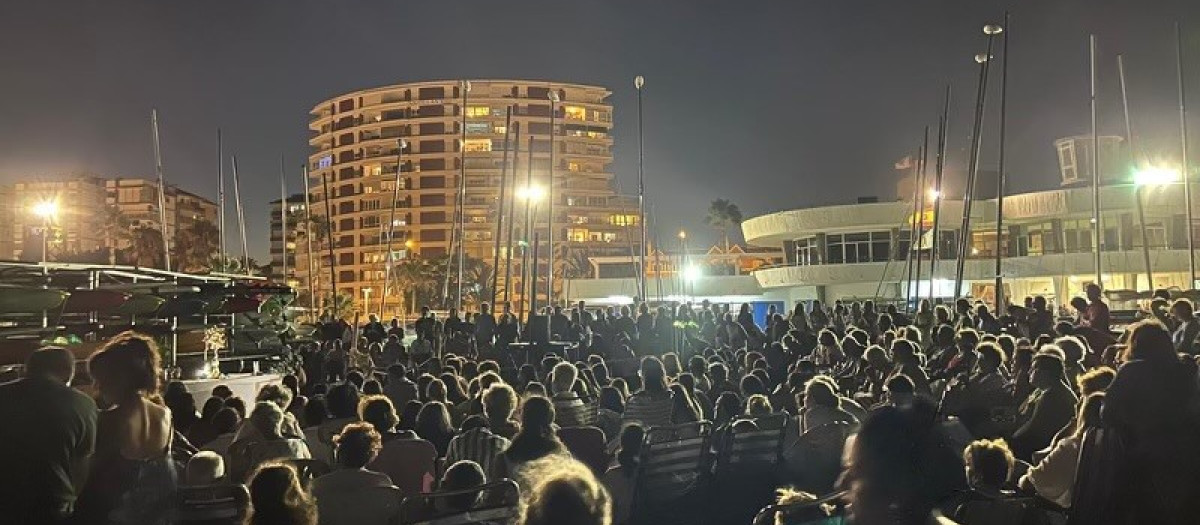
(638, 82)
(46, 210)
(1001, 304)
(683, 261)
(984, 61)
(1149, 176)
(553, 96)
(531, 194)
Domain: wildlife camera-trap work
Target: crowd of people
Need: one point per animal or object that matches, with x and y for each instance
(948, 413)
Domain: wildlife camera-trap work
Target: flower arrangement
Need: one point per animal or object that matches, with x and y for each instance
(214, 341)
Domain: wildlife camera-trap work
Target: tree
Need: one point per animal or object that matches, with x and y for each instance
(573, 263)
(195, 246)
(340, 306)
(115, 228)
(723, 215)
(147, 247)
(419, 279)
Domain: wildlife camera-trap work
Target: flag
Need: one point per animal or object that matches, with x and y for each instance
(905, 163)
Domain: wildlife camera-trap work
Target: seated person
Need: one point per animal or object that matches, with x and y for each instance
(204, 468)
(1054, 476)
(476, 443)
(1047, 409)
(821, 405)
(355, 446)
(989, 465)
(267, 420)
(973, 398)
(461, 475)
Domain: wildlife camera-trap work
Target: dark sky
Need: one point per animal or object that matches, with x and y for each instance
(772, 104)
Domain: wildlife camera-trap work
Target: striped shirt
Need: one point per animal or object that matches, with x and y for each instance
(649, 409)
(572, 411)
(479, 445)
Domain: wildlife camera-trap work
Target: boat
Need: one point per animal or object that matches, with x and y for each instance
(141, 304)
(182, 306)
(26, 300)
(84, 301)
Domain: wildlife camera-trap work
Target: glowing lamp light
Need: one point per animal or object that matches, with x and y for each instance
(638, 82)
(408, 244)
(691, 273)
(531, 193)
(682, 235)
(45, 209)
(1152, 175)
(981, 58)
(934, 194)
(992, 29)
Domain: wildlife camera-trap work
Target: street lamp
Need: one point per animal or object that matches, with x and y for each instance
(46, 210)
(1149, 176)
(553, 96)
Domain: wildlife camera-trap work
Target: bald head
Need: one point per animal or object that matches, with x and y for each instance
(51, 362)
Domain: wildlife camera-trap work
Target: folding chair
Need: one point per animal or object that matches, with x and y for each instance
(588, 446)
(211, 505)
(370, 506)
(815, 461)
(411, 463)
(671, 470)
(496, 502)
(747, 469)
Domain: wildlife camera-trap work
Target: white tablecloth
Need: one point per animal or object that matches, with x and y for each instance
(244, 386)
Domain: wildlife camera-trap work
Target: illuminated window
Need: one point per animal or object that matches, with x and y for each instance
(375, 169)
(579, 219)
(576, 113)
(610, 237)
(623, 220)
(325, 162)
(500, 129)
(573, 166)
(478, 219)
(477, 145)
(478, 111)
(478, 128)
(368, 189)
(577, 234)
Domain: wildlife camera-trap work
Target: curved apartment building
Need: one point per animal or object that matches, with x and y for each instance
(453, 132)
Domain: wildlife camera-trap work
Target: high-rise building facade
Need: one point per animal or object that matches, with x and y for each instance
(137, 199)
(284, 243)
(72, 220)
(453, 129)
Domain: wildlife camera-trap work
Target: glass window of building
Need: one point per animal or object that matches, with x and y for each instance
(623, 220)
(1077, 235)
(478, 111)
(575, 113)
(806, 252)
(478, 128)
(477, 145)
(577, 234)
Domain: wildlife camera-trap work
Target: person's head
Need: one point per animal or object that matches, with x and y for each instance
(1047, 370)
(204, 468)
(562, 378)
(53, 363)
(1151, 341)
(758, 406)
(1073, 349)
(277, 497)
(211, 406)
(827, 338)
(343, 401)
(278, 394)
(356, 378)
(1093, 291)
(226, 421)
(728, 406)
(396, 372)
(1095, 380)
(267, 418)
(357, 445)
(1078, 303)
(433, 420)
(436, 391)
(683, 409)
(718, 373)
(671, 364)
(989, 463)
(125, 367)
(631, 438)
(901, 464)
(990, 357)
(315, 412)
(654, 377)
(903, 351)
(537, 415)
(379, 412)
(611, 399)
(222, 391)
(899, 389)
(567, 492)
(372, 388)
(462, 475)
(819, 391)
(750, 385)
(499, 402)
(238, 405)
(1089, 413)
(877, 357)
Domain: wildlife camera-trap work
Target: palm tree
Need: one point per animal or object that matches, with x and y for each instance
(114, 227)
(418, 278)
(574, 263)
(201, 239)
(340, 306)
(723, 215)
(147, 247)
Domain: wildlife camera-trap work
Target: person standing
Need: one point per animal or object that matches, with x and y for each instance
(46, 440)
(1096, 315)
(1183, 339)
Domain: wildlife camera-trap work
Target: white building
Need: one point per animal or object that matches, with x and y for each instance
(1048, 248)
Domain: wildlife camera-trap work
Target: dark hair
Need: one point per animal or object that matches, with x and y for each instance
(631, 439)
(357, 444)
(751, 385)
(343, 401)
(356, 378)
(238, 405)
(372, 388)
(1095, 380)
(276, 497)
(1151, 341)
(129, 363)
(654, 376)
(315, 412)
(408, 415)
(536, 437)
(900, 384)
(462, 475)
(433, 422)
(379, 412)
(991, 462)
(52, 361)
(226, 420)
(610, 398)
(211, 407)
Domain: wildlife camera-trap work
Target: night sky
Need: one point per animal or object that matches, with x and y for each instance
(774, 105)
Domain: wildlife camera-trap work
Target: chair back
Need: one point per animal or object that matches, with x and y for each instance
(410, 463)
(370, 506)
(672, 462)
(211, 505)
(309, 469)
(815, 461)
(763, 446)
(496, 502)
(588, 446)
